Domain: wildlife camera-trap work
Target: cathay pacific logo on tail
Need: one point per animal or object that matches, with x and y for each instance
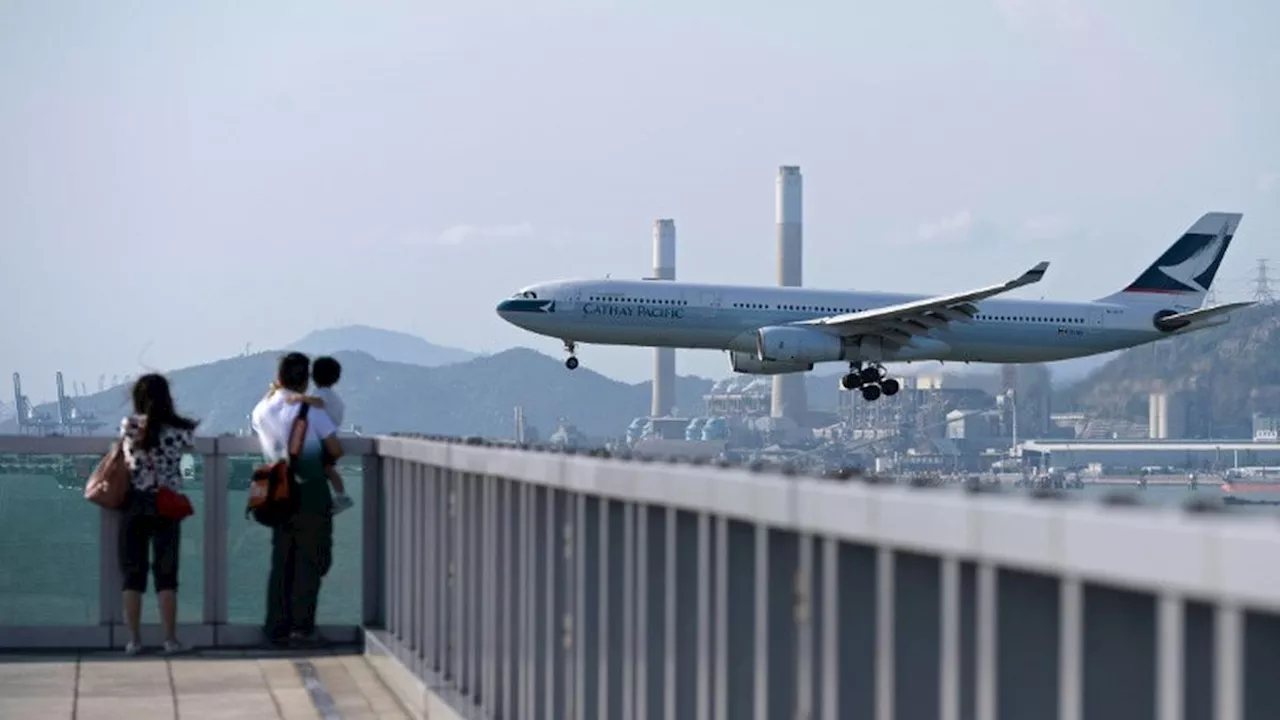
(1191, 264)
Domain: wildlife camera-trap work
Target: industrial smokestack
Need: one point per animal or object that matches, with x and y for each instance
(788, 390)
(664, 359)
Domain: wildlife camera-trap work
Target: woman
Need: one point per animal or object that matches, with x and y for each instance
(154, 437)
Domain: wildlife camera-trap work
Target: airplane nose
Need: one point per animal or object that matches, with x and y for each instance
(523, 311)
(512, 309)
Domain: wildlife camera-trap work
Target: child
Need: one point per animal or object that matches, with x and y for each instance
(325, 372)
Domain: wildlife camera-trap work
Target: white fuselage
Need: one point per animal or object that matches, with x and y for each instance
(726, 317)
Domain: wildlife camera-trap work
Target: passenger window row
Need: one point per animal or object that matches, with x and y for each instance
(832, 310)
(647, 301)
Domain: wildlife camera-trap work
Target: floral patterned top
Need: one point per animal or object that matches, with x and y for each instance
(160, 466)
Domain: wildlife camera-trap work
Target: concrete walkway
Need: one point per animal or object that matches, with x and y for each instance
(201, 685)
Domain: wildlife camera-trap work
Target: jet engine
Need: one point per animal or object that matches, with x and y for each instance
(749, 364)
(1164, 325)
(798, 345)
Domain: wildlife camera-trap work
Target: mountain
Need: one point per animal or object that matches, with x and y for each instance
(388, 345)
(477, 397)
(1223, 374)
(1068, 372)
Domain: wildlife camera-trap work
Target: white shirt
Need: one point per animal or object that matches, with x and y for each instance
(273, 419)
(333, 405)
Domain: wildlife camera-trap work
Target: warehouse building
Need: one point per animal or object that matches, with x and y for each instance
(1190, 454)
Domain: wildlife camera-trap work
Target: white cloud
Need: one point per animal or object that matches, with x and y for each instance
(1044, 228)
(963, 228)
(953, 227)
(467, 234)
(1269, 183)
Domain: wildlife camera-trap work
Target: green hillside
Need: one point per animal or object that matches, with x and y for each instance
(1227, 373)
(477, 397)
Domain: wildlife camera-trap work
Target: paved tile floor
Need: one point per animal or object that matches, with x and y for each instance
(205, 685)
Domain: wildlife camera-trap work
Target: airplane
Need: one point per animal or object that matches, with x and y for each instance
(778, 330)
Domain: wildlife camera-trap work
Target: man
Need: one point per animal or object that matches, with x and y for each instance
(302, 548)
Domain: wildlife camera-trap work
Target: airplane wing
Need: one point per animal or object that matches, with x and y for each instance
(900, 323)
(1181, 320)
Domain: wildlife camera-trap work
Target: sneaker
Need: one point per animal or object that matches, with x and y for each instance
(342, 502)
(173, 647)
(132, 648)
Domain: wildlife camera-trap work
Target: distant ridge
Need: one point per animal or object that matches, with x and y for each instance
(387, 345)
(1223, 374)
(476, 397)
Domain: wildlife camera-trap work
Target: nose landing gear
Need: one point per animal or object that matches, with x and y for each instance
(571, 347)
(872, 380)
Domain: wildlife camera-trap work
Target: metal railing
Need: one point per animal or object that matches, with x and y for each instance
(541, 585)
(36, 515)
(517, 584)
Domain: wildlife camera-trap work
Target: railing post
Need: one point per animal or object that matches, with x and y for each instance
(1070, 648)
(215, 538)
(109, 581)
(886, 575)
(1228, 676)
(371, 530)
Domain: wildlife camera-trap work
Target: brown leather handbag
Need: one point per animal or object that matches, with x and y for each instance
(109, 482)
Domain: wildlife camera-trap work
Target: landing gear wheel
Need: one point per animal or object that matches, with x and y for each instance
(872, 374)
(852, 381)
(571, 363)
(871, 393)
(571, 347)
(890, 387)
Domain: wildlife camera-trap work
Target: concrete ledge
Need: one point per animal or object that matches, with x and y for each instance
(435, 699)
(113, 636)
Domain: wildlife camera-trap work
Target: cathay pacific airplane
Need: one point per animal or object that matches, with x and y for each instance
(774, 330)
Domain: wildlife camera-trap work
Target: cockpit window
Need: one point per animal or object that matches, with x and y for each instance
(526, 294)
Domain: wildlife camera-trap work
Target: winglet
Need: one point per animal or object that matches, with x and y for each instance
(1032, 276)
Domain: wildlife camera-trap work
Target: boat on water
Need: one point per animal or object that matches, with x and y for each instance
(1233, 500)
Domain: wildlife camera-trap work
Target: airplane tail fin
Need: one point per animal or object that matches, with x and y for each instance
(1185, 272)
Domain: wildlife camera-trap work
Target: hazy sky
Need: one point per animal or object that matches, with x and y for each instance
(180, 179)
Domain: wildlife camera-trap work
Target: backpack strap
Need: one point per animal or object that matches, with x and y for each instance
(298, 435)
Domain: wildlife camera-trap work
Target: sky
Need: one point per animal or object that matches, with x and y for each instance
(180, 181)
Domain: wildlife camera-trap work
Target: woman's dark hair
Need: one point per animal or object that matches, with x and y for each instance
(152, 400)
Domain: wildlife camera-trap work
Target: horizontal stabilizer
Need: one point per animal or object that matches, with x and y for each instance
(1181, 320)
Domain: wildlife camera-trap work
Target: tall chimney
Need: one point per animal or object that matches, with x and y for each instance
(788, 390)
(664, 359)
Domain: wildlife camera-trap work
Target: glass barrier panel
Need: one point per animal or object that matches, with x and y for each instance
(249, 551)
(49, 541)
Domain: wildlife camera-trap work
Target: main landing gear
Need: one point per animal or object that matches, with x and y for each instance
(571, 347)
(872, 380)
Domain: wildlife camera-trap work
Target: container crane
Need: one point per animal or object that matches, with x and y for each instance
(29, 421)
(72, 420)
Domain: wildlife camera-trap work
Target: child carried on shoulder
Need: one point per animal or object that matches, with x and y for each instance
(325, 373)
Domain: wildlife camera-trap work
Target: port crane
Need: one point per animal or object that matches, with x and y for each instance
(70, 420)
